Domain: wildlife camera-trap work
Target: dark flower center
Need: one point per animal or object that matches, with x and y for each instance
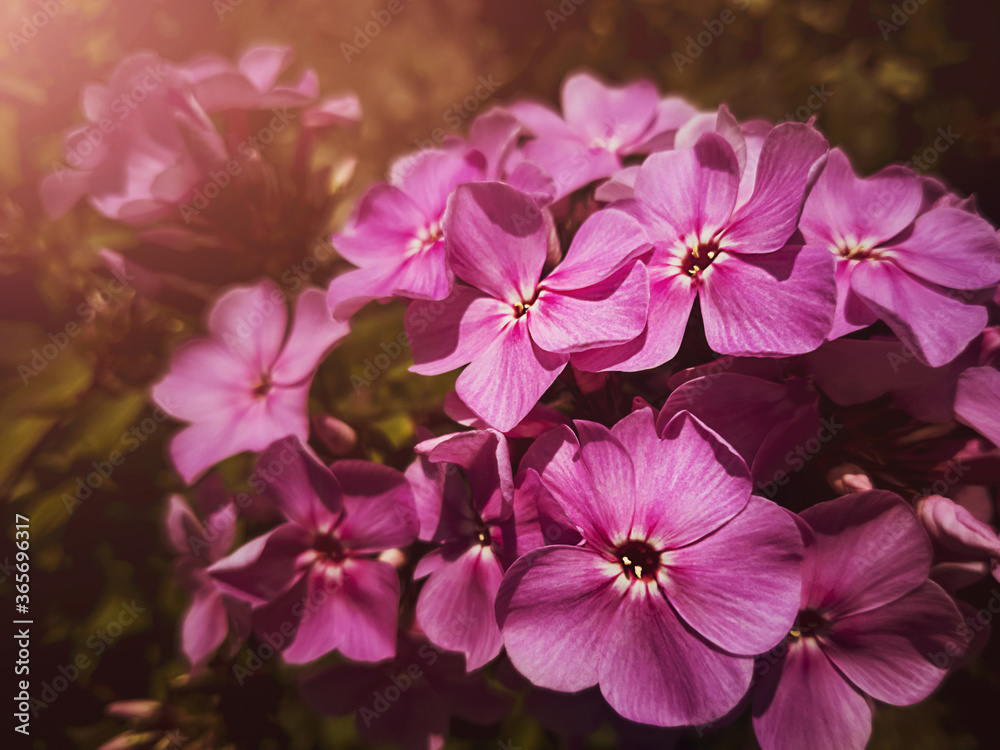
(264, 387)
(809, 624)
(483, 534)
(638, 560)
(329, 547)
(700, 257)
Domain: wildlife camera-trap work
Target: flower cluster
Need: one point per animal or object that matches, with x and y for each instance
(725, 427)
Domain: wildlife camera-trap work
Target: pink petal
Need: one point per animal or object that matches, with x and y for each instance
(935, 325)
(263, 568)
(250, 322)
(424, 275)
(205, 627)
(205, 379)
(693, 191)
(448, 334)
(929, 252)
(787, 164)
(977, 401)
(381, 227)
(804, 702)
(609, 312)
(688, 480)
(655, 671)
(890, 652)
(671, 297)
(264, 63)
(600, 505)
(455, 608)
(769, 304)
(431, 175)
(868, 549)
(597, 110)
(504, 382)
(378, 506)
(955, 528)
(314, 333)
(605, 242)
(496, 240)
(355, 614)
(554, 608)
(304, 490)
(740, 586)
(843, 209)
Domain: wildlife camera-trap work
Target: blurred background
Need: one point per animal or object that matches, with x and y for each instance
(911, 82)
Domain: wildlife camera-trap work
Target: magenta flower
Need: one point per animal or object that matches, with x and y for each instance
(396, 234)
(513, 328)
(147, 145)
(682, 578)
(252, 83)
(870, 624)
(207, 619)
(758, 295)
(916, 270)
(599, 126)
(247, 383)
(316, 574)
(480, 529)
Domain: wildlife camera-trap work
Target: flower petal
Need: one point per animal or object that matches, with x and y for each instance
(455, 608)
(609, 312)
(786, 166)
(554, 608)
(505, 381)
(379, 511)
(804, 702)
(740, 586)
(656, 671)
(933, 323)
(899, 653)
(867, 549)
(769, 304)
(496, 240)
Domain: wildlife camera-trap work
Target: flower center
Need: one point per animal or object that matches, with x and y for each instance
(638, 560)
(264, 387)
(809, 624)
(700, 257)
(426, 237)
(483, 534)
(329, 547)
(852, 248)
